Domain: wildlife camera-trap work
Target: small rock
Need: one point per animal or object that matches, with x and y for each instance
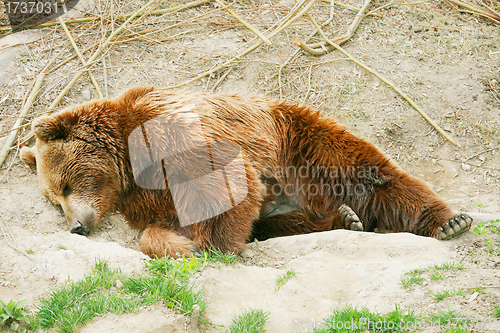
(466, 167)
(86, 94)
(119, 284)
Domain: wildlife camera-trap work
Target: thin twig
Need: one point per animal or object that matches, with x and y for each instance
(308, 83)
(353, 8)
(105, 73)
(484, 151)
(219, 81)
(4, 99)
(244, 22)
(492, 16)
(385, 80)
(24, 111)
(323, 47)
(14, 246)
(75, 47)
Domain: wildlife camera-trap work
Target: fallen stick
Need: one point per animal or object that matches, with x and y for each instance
(24, 111)
(14, 245)
(353, 8)
(383, 79)
(289, 19)
(79, 54)
(219, 81)
(322, 48)
(244, 22)
(492, 16)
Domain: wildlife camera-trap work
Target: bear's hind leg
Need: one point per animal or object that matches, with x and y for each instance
(158, 241)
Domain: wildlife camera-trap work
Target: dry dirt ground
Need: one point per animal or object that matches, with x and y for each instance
(447, 61)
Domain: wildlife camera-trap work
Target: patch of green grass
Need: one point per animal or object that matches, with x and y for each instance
(451, 265)
(283, 279)
(481, 229)
(30, 251)
(250, 321)
(496, 312)
(454, 318)
(13, 313)
(412, 277)
(77, 303)
(214, 255)
(350, 319)
(416, 276)
(103, 290)
(61, 247)
(476, 290)
(435, 276)
(439, 296)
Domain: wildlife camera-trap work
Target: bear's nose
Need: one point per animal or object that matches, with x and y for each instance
(77, 228)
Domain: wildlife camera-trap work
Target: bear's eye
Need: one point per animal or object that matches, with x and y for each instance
(66, 190)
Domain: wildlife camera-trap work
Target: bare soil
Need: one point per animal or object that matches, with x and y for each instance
(447, 61)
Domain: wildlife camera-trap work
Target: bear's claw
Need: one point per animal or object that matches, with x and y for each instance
(350, 218)
(454, 227)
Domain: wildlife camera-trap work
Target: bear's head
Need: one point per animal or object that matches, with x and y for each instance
(75, 157)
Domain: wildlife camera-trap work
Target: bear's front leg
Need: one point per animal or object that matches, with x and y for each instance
(158, 241)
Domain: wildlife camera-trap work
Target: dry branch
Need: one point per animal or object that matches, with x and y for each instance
(323, 47)
(14, 241)
(219, 81)
(385, 80)
(485, 13)
(75, 47)
(24, 111)
(245, 22)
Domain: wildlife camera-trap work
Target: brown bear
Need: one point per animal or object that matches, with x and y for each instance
(196, 171)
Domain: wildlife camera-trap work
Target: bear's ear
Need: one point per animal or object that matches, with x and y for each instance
(55, 127)
(28, 155)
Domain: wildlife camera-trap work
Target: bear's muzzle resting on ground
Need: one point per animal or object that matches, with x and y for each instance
(196, 171)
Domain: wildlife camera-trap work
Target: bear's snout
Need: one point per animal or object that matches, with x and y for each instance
(78, 228)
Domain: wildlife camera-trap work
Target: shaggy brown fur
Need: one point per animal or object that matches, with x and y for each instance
(83, 163)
